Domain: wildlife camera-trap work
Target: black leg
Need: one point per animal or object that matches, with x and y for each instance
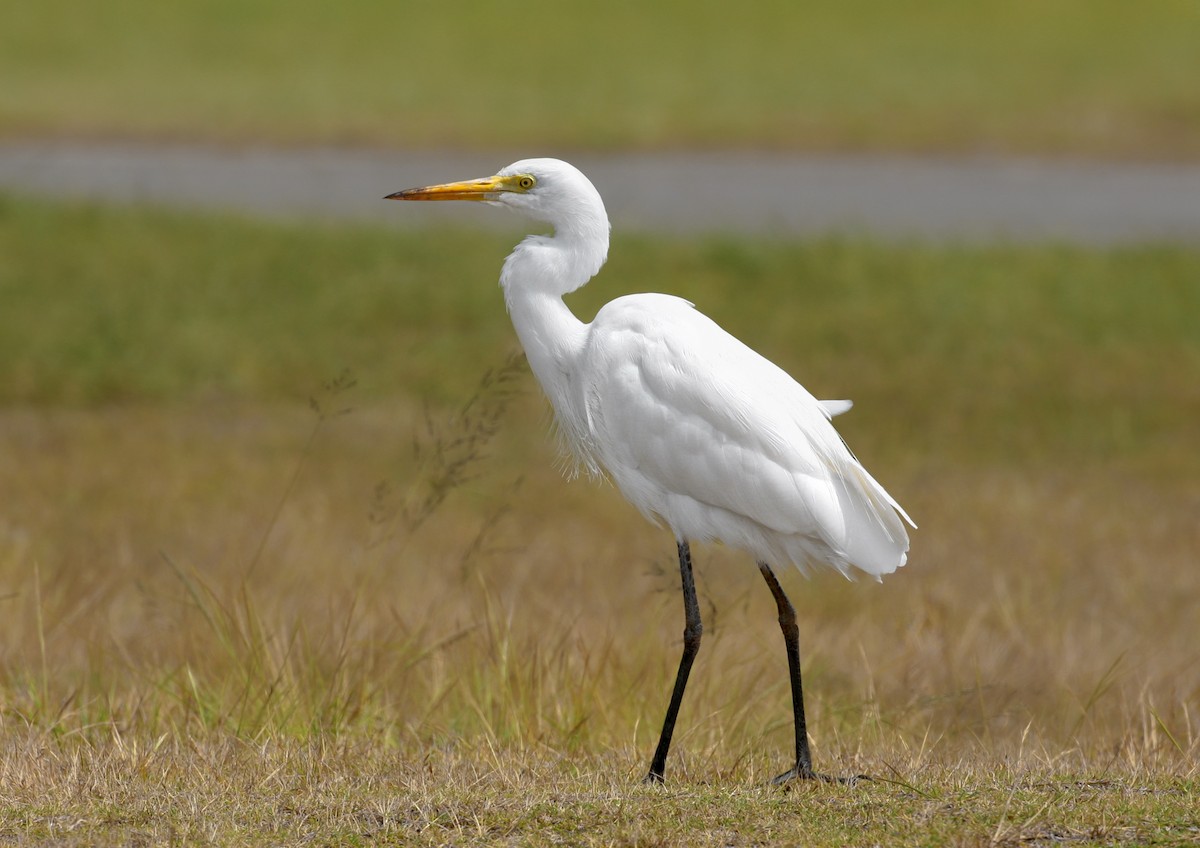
(802, 770)
(791, 638)
(692, 631)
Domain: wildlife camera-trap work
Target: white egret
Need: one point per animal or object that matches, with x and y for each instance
(697, 430)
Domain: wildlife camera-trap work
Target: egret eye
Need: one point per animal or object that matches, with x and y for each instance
(526, 182)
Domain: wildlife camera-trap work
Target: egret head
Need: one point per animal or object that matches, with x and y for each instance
(547, 190)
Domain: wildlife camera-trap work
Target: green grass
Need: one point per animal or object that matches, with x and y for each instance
(1076, 76)
(228, 616)
(986, 353)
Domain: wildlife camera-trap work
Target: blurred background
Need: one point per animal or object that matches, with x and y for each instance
(1083, 78)
(292, 453)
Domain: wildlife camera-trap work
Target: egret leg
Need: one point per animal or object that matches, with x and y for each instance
(692, 630)
(802, 770)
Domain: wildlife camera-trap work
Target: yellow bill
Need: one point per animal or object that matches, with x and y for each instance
(483, 189)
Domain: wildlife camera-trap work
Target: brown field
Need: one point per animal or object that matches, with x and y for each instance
(195, 589)
(231, 618)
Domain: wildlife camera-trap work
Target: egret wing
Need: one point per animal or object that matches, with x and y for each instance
(678, 408)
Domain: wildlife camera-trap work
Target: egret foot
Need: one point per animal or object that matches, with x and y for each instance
(798, 772)
(652, 779)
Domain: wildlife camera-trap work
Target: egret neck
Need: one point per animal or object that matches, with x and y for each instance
(536, 276)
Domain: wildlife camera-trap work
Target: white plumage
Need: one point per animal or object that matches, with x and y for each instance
(700, 431)
(697, 430)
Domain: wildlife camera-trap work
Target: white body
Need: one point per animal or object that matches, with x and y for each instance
(720, 443)
(696, 429)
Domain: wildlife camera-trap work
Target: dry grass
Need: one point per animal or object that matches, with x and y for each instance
(355, 794)
(183, 661)
(230, 618)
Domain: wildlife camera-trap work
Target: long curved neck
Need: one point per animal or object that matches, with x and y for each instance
(535, 277)
(552, 338)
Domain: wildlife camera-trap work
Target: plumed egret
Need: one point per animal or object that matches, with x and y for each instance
(696, 429)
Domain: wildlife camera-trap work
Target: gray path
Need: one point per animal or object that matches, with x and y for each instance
(969, 199)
